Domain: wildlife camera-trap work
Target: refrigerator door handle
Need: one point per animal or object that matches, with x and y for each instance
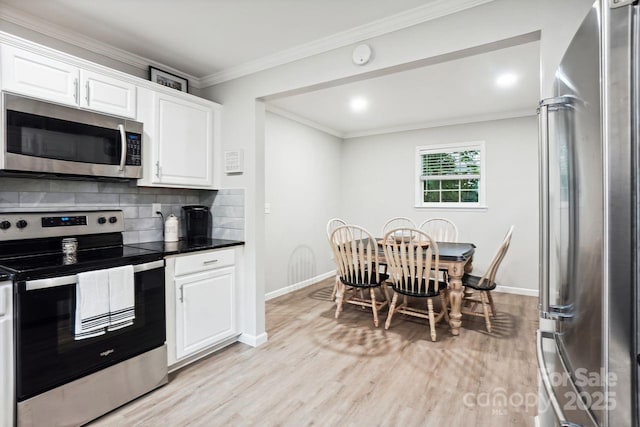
(546, 106)
(546, 382)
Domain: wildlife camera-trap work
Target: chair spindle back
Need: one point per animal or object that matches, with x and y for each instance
(355, 251)
(440, 229)
(411, 256)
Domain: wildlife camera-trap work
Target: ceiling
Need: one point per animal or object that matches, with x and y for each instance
(203, 37)
(209, 41)
(459, 91)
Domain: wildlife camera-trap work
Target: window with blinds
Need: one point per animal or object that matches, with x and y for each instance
(451, 175)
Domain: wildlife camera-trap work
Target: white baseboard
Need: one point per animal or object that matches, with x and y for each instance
(299, 285)
(253, 340)
(517, 291)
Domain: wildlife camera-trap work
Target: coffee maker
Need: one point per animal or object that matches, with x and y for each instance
(197, 223)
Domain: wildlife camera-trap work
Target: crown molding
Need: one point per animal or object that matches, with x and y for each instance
(310, 123)
(396, 22)
(399, 21)
(23, 19)
(440, 123)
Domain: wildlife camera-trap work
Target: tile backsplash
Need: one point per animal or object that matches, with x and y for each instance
(39, 194)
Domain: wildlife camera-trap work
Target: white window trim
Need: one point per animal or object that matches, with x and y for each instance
(457, 146)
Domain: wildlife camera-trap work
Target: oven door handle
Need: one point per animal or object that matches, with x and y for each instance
(53, 282)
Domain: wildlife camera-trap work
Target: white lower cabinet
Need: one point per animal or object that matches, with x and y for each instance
(7, 400)
(201, 303)
(203, 310)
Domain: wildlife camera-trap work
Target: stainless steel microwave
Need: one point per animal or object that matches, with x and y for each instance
(44, 137)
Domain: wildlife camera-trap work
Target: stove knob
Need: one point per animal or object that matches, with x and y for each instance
(113, 220)
(21, 224)
(4, 225)
(102, 220)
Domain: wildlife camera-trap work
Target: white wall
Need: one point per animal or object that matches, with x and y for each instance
(379, 183)
(302, 186)
(243, 117)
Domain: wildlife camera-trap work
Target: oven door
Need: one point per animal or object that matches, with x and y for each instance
(43, 137)
(47, 354)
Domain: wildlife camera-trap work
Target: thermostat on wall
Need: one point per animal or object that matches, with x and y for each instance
(233, 162)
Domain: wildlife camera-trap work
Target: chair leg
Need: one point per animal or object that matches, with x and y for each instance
(374, 307)
(339, 298)
(432, 320)
(493, 306)
(392, 308)
(335, 288)
(445, 310)
(485, 308)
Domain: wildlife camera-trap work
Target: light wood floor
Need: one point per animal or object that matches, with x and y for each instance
(315, 370)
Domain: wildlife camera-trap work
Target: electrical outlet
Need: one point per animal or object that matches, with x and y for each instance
(155, 207)
(267, 208)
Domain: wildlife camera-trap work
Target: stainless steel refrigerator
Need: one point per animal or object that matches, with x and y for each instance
(589, 185)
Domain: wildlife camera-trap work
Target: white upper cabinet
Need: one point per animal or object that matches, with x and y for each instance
(179, 140)
(49, 79)
(107, 95)
(35, 75)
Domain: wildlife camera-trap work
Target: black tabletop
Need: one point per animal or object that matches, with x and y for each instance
(449, 251)
(184, 246)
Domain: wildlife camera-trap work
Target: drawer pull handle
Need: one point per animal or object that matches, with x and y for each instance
(211, 261)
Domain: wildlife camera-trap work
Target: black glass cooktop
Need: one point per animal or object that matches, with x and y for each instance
(56, 264)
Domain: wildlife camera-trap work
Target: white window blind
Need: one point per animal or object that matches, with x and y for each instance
(450, 175)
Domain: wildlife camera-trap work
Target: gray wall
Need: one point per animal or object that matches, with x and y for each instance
(302, 185)
(30, 194)
(511, 145)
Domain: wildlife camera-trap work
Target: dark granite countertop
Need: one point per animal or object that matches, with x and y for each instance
(182, 246)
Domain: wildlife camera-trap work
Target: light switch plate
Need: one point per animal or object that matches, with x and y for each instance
(267, 208)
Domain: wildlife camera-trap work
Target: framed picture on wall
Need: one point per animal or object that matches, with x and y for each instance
(167, 79)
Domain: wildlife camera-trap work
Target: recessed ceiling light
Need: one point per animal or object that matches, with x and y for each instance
(359, 104)
(506, 80)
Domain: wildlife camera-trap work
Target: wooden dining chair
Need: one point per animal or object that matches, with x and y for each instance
(440, 229)
(332, 224)
(482, 286)
(398, 222)
(411, 256)
(355, 251)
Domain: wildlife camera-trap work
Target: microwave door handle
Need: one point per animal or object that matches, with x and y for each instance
(123, 146)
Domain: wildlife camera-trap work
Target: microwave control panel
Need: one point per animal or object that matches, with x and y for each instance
(134, 149)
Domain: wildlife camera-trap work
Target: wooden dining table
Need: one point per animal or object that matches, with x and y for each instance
(456, 259)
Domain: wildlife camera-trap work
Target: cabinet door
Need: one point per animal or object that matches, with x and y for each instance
(205, 310)
(184, 138)
(6, 357)
(107, 95)
(34, 75)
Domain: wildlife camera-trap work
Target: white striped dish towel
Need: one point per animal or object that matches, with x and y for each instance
(121, 297)
(92, 304)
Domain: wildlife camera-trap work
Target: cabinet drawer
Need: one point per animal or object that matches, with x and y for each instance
(204, 261)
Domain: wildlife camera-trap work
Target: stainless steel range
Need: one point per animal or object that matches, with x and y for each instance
(64, 377)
